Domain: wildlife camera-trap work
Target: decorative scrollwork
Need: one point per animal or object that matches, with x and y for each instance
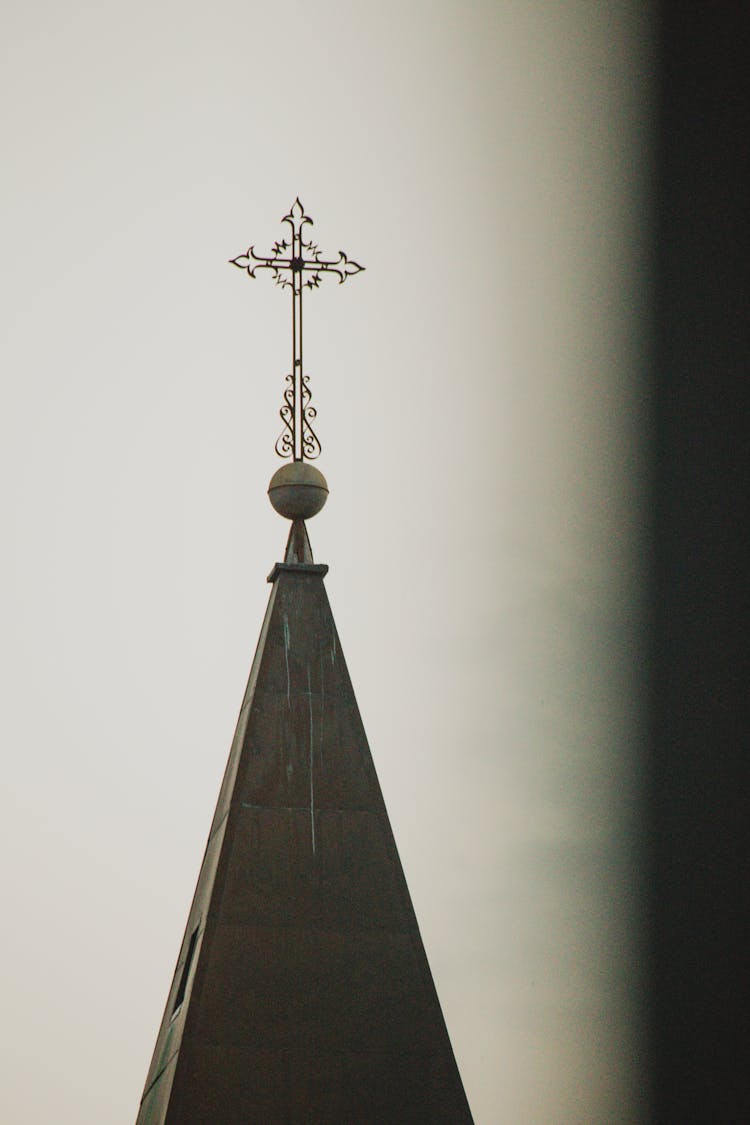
(310, 443)
(285, 440)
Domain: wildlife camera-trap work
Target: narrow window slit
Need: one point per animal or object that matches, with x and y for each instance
(186, 970)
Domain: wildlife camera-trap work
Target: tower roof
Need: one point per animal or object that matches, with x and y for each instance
(302, 991)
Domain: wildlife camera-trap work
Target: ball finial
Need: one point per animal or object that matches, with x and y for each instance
(298, 490)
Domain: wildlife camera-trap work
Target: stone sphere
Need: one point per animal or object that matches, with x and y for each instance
(298, 491)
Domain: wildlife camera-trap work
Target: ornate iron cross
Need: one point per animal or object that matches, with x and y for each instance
(294, 270)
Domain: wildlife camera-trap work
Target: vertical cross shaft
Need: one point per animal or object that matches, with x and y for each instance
(296, 222)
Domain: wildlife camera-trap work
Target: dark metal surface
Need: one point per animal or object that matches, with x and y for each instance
(307, 998)
(297, 265)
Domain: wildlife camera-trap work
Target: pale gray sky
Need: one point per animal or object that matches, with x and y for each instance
(482, 416)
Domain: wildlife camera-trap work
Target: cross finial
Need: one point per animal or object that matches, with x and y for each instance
(297, 264)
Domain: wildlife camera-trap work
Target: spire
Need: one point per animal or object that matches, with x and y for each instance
(302, 993)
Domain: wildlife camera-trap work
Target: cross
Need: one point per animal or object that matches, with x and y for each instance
(293, 270)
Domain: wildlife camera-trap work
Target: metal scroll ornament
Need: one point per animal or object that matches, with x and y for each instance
(285, 440)
(297, 264)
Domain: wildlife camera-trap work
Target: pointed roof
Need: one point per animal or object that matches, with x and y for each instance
(302, 992)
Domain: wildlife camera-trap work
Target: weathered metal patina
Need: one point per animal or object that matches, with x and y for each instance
(298, 491)
(302, 993)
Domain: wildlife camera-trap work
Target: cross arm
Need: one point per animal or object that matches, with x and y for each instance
(343, 266)
(250, 262)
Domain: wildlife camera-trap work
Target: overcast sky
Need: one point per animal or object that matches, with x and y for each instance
(482, 415)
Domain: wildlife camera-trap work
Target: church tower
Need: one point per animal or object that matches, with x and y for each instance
(302, 993)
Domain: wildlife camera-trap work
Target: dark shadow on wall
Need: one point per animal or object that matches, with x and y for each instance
(700, 745)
